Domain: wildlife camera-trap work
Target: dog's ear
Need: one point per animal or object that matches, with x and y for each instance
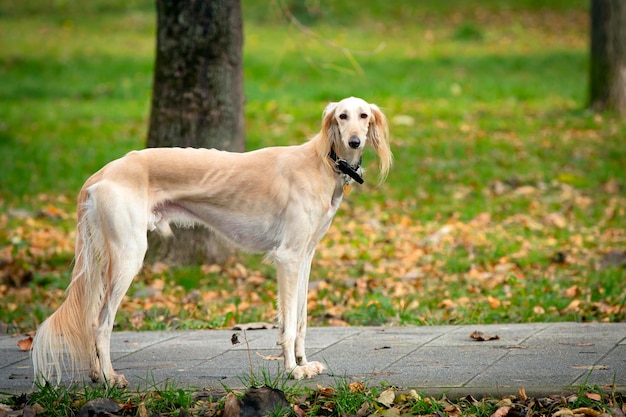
(378, 136)
(328, 134)
(330, 129)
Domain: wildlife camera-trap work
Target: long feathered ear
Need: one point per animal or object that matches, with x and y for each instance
(378, 136)
(329, 134)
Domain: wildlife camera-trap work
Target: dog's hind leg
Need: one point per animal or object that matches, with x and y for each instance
(128, 264)
(123, 221)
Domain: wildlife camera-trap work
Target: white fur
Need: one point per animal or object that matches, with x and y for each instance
(278, 200)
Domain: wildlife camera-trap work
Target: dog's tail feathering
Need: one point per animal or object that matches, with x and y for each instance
(70, 329)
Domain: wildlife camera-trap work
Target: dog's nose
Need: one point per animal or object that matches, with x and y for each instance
(354, 142)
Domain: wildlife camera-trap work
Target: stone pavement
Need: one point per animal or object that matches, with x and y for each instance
(542, 358)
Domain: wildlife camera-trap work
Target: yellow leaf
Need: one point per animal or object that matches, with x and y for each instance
(387, 397)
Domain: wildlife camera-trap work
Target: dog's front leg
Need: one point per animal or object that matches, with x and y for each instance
(293, 276)
(309, 368)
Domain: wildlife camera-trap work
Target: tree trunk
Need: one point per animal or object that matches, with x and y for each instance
(608, 56)
(197, 100)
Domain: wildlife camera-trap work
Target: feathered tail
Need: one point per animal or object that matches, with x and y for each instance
(70, 329)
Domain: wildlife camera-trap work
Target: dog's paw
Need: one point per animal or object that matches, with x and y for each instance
(308, 370)
(117, 380)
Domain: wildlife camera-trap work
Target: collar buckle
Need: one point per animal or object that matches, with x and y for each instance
(347, 169)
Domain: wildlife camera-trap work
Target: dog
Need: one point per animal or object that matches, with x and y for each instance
(277, 200)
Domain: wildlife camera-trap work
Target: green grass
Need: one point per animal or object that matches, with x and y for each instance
(338, 399)
(490, 135)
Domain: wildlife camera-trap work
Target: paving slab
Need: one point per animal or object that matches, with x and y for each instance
(542, 358)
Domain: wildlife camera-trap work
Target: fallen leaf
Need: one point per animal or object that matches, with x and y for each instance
(617, 412)
(612, 186)
(522, 394)
(501, 412)
(494, 302)
(482, 337)
(387, 397)
(563, 412)
(573, 291)
(364, 409)
(28, 411)
(505, 402)
(391, 412)
(301, 413)
(593, 396)
(232, 405)
(587, 411)
(525, 190)
(555, 219)
(356, 387)
(452, 410)
(327, 391)
(25, 344)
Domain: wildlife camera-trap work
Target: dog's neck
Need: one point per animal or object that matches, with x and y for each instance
(341, 165)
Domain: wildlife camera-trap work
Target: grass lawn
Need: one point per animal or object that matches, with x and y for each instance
(505, 204)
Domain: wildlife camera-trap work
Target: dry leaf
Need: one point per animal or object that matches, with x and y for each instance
(452, 410)
(522, 394)
(232, 406)
(299, 411)
(142, 410)
(587, 411)
(501, 412)
(364, 409)
(573, 291)
(593, 396)
(563, 412)
(356, 387)
(555, 219)
(617, 412)
(494, 302)
(482, 337)
(387, 397)
(25, 344)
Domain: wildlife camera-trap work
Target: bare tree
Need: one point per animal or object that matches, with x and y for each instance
(608, 56)
(197, 99)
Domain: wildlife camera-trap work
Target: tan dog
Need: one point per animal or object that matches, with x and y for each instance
(278, 200)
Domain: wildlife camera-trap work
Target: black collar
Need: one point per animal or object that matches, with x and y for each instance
(343, 166)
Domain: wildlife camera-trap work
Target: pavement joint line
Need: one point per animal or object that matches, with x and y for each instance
(127, 354)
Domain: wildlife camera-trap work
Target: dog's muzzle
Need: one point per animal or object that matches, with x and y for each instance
(354, 142)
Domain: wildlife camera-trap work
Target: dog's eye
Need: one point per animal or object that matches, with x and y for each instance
(343, 116)
(363, 115)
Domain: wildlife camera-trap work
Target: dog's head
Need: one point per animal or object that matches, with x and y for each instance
(350, 125)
